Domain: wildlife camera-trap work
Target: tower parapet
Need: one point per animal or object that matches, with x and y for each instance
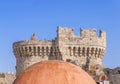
(65, 32)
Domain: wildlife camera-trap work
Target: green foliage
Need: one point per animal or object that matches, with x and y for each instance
(28, 53)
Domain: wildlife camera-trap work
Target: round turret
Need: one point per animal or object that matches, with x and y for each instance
(33, 51)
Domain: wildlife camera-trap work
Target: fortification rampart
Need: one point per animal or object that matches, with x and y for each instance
(87, 37)
(7, 78)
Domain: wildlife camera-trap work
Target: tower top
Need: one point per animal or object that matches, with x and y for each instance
(33, 37)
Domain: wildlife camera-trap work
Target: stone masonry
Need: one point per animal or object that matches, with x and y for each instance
(85, 50)
(7, 78)
(113, 75)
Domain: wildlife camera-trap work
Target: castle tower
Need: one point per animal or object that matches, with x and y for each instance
(85, 50)
(32, 51)
(81, 48)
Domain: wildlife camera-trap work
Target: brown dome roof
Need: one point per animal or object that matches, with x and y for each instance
(54, 72)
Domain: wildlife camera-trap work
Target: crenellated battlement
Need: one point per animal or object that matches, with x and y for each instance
(66, 46)
(84, 32)
(33, 42)
(91, 33)
(87, 36)
(65, 32)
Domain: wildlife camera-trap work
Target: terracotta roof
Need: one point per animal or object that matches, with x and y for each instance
(54, 72)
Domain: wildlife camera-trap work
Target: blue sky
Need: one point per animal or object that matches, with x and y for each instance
(20, 18)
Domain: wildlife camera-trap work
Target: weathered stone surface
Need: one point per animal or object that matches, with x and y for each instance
(7, 78)
(113, 75)
(87, 49)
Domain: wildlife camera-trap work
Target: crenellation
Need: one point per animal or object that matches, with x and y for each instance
(33, 37)
(102, 34)
(65, 32)
(88, 32)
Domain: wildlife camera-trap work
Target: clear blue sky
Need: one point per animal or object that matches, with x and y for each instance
(20, 18)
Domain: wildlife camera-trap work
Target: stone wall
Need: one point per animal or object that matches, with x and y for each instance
(7, 78)
(113, 75)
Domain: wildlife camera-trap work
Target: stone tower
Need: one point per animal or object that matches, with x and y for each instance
(85, 50)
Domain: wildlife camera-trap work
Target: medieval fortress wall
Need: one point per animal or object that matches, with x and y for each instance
(87, 49)
(7, 78)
